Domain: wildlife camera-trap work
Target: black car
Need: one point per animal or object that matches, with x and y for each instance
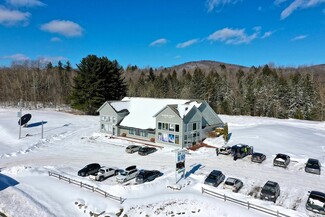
(90, 169)
(258, 157)
(214, 178)
(316, 202)
(270, 191)
(147, 176)
(146, 150)
(281, 160)
(313, 166)
(241, 150)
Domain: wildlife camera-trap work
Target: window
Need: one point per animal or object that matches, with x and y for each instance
(113, 119)
(102, 127)
(160, 137)
(159, 125)
(108, 118)
(171, 127)
(102, 118)
(199, 125)
(165, 126)
(176, 139)
(176, 127)
(131, 131)
(194, 126)
(143, 133)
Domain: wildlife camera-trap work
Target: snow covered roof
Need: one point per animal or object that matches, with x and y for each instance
(142, 110)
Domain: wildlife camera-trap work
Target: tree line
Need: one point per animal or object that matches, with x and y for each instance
(257, 91)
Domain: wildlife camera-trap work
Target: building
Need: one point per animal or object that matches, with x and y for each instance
(178, 122)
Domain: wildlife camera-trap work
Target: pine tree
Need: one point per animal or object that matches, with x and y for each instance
(97, 80)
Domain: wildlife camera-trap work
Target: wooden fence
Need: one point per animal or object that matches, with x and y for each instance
(86, 186)
(244, 203)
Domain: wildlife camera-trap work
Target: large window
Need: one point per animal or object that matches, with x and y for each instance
(159, 125)
(168, 127)
(131, 131)
(194, 126)
(176, 128)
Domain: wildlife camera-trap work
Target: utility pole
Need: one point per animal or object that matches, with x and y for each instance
(42, 129)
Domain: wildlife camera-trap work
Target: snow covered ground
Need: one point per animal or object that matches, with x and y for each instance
(71, 141)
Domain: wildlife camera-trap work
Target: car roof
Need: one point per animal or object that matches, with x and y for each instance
(312, 160)
(230, 179)
(216, 172)
(317, 193)
(282, 155)
(257, 153)
(271, 183)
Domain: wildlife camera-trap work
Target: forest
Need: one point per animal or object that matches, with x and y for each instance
(280, 92)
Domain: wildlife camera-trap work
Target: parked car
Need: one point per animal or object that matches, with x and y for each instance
(270, 191)
(214, 178)
(146, 150)
(313, 166)
(316, 202)
(241, 150)
(128, 174)
(132, 148)
(147, 176)
(89, 169)
(233, 184)
(226, 150)
(258, 157)
(281, 160)
(103, 173)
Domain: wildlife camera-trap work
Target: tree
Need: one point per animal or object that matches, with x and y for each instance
(97, 80)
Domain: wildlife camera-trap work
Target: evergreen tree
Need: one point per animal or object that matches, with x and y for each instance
(97, 80)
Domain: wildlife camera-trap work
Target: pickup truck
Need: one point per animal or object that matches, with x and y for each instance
(103, 173)
(128, 174)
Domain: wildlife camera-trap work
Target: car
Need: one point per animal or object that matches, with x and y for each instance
(103, 173)
(281, 160)
(214, 178)
(316, 202)
(226, 150)
(313, 166)
(132, 149)
(241, 150)
(127, 174)
(147, 176)
(89, 169)
(145, 150)
(270, 191)
(258, 157)
(234, 184)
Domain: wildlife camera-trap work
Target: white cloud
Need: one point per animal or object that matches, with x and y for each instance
(233, 36)
(212, 4)
(299, 37)
(279, 2)
(267, 34)
(158, 42)
(16, 57)
(178, 57)
(63, 27)
(187, 43)
(55, 39)
(13, 17)
(52, 59)
(299, 4)
(25, 3)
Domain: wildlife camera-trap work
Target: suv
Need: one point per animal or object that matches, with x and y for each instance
(89, 169)
(313, 166)
(234, 184)
(214, 178)
(258, 157)
(128, 174)
(281, 160)
(241, 150)
(270, 191)
(146, 150)
(147, 176)
(316, 202)
(132, 148)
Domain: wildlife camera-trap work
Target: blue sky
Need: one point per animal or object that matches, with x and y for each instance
(164, 32)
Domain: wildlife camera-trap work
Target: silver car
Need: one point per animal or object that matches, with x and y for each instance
(313, 166)
(233, 184)
(316, 202)
(132, 149)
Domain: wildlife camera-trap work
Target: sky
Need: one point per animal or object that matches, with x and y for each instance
(164, 32)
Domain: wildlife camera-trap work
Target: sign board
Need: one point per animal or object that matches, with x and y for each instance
(18, 114)
(180, 165)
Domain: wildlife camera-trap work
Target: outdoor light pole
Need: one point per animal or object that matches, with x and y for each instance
(19, 115)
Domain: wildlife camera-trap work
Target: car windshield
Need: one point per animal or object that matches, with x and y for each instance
(230, 181)
(267, 189)
(257, 155)
(212, 177)
(316, 201)
(281, 156)
(102, 171)
(313, 164)
(123, 173)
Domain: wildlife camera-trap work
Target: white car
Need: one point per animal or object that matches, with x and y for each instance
(103, 173)
(128, 174)
(233, 184)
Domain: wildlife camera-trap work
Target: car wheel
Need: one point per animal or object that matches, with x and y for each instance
(101, 178)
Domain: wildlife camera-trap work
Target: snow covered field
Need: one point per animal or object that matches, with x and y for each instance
(70, 142)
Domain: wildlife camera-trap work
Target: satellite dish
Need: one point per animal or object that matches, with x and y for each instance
(24, 119)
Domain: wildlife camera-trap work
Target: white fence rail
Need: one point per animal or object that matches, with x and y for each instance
(244, 203)
(89, 187)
